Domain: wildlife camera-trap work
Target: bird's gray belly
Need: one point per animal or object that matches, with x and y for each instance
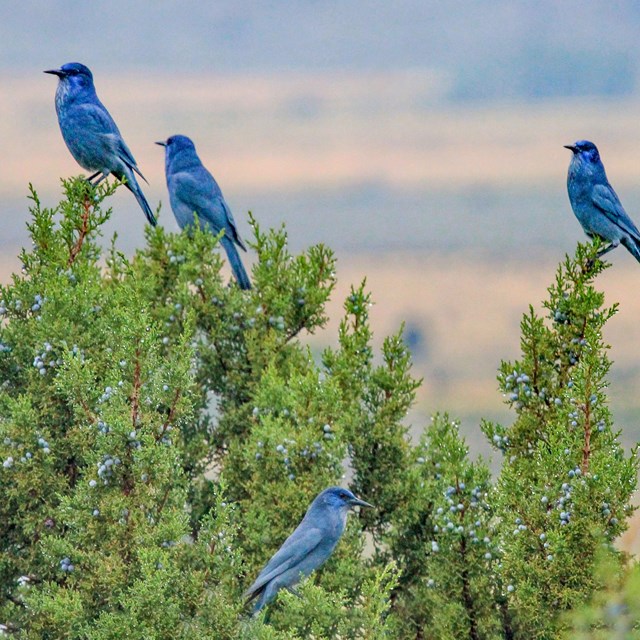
(596, 223)
(184, 213)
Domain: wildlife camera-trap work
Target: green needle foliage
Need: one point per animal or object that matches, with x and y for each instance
(162, 432)
(564, 490)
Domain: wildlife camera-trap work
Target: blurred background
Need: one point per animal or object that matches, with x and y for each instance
(420, 139)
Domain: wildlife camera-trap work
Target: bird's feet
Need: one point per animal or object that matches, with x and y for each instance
(92, 178)
(590, 263)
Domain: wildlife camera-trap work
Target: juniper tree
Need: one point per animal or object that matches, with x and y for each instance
(443, 538)
(108, 367)
(92, 420)
(506, 559)
(563, 494)
(162, 433)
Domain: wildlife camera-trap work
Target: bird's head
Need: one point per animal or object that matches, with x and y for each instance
(585, 150)
(177, 143)
(74, 74)
(339, 498)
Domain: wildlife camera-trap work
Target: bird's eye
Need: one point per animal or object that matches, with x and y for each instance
(343, 495)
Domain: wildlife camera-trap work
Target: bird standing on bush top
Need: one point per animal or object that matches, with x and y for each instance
(307, 547)
(91, 134)
(595, 203)
(194, 191)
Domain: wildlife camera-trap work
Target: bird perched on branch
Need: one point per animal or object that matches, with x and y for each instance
(307, 547)
(91, 134)
(596, 204)
(194, 192)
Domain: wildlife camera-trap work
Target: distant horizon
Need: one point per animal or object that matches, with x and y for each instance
(542, 50)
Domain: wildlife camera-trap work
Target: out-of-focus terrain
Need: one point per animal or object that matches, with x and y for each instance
(457, 215)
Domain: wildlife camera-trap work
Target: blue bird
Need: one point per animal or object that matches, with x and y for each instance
(307, 547)
(193, 190)
(595, 203)
(90, 133)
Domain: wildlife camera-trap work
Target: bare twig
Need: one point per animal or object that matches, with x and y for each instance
(135, 394)
(170, 415)
(84, 229)
(586, 447)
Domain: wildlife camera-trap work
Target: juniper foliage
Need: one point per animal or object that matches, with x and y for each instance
(162, 432)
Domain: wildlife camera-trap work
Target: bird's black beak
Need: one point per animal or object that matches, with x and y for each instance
(356, 502)
(55, 72)
(571, 147)
(162, 144)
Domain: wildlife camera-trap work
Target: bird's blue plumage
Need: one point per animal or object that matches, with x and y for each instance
(595, 203)
(90, 133)
(193, 190)
(308, 547)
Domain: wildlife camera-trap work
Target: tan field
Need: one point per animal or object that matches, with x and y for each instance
(319, 130)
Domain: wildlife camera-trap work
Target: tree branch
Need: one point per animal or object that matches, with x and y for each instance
(84, 229)
(135, 394)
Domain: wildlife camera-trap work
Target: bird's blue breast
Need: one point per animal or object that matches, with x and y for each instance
(580, 180)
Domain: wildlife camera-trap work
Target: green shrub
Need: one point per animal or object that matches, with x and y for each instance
(162, 433)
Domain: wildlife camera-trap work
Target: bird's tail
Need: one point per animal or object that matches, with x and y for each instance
(236, 264)
(259, 596)
(633, 245)
(132, 184)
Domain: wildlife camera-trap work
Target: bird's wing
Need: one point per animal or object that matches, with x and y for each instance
(127, 157)
(605, 199)
(96, 120)
(197, 191)
(97, 125)
(232, 223)
(294, 550)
